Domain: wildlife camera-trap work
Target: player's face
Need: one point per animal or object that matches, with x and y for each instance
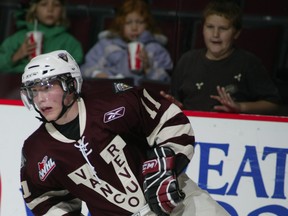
(134, 26)
(219, 35)
(49, 12)
(48, 99)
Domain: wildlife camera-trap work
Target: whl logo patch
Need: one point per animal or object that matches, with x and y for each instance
(114, 114)
(45, 167)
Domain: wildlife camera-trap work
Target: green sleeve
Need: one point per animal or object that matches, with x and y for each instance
(7, 49)
(74, 47)
(77, 51)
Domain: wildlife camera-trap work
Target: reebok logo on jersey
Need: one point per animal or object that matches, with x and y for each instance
(45, 167)
(114, 114)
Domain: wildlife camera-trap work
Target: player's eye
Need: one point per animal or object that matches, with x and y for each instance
(43, 89)
(32, 93)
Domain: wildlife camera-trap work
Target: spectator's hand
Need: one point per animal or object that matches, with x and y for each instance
(228, 104)
(25, 50)
(145, 60)
(102, 75)
(171, 99)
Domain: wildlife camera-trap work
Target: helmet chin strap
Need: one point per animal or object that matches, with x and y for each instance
(63, 111)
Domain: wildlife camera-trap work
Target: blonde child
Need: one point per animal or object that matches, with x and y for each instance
(51, 20)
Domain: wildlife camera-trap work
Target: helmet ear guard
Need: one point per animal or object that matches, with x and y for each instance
(68, 83)
(71, 86)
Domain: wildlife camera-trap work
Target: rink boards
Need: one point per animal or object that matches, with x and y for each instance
(241, 160)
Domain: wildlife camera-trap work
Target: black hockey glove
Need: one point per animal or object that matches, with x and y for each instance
(161, 188)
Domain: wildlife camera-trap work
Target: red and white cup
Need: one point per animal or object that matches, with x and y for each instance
(36, 37)
(135, 63)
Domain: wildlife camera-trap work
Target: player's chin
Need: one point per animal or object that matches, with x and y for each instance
(49, 116)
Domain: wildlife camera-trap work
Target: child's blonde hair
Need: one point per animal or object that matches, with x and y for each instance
(129, 6)
(31, 13)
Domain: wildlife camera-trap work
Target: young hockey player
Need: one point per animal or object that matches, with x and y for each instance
(122, 152)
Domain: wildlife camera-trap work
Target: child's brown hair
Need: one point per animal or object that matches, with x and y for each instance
(129, 6)
(226, 8)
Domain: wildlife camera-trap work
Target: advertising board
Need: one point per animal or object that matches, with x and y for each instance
(241, 160)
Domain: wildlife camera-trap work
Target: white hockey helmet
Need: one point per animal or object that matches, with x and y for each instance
(54, 65)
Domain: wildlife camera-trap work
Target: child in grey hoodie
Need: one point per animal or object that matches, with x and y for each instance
(108, 58)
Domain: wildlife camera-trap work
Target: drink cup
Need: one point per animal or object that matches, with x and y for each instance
(135, 63)
(36, 37)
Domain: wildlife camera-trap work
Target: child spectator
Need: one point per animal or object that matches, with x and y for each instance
(50, 19)
(108, 58)
(221, 77)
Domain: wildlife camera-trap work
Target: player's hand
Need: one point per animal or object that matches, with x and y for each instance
(227, 103)
(171, 99)
(161, 188)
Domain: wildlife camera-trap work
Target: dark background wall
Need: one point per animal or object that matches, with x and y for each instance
(265, 27)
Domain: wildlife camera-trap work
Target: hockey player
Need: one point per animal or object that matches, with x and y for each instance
(122, 152)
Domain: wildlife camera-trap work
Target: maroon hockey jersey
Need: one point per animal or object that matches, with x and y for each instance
(104, 167)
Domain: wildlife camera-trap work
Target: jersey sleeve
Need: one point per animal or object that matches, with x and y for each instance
(166, 125)
(43, 200)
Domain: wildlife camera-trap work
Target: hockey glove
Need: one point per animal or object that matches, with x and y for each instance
(161, 188)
